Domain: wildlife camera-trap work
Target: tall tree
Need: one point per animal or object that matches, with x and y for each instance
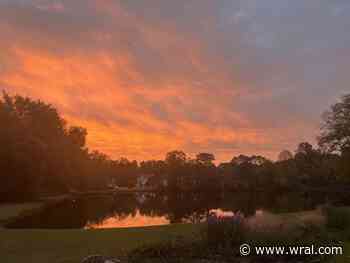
(205, 158)
(176, 163)
(39, 153)
(335, 135)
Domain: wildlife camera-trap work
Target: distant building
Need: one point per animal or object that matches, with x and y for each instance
(158, 182)
(112, 184)
(151, 181)
(143, 180)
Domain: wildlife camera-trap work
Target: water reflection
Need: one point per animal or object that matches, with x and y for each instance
(222, 213)
(128, 210)
(135, 220)
(138, 219)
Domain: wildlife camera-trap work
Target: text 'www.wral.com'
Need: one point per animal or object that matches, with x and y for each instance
(246, 250)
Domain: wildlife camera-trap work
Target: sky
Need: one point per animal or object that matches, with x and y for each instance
(147, 77)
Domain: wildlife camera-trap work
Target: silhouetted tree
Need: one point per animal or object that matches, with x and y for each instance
(335, 134)
(36, 148)
(205, 158)
(176, 161)
(41, 154)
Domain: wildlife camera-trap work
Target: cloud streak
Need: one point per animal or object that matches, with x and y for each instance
(147, 78)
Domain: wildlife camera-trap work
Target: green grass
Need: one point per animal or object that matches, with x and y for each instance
(70, 246)
(345, 258)
(340, 219)
(8, 211)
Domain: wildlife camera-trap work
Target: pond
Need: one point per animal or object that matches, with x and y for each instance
(137, 210)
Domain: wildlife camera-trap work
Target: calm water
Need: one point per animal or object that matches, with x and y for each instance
(129, 210)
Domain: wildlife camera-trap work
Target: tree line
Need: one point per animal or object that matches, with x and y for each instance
(41, 154)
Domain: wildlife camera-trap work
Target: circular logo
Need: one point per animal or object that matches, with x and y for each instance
(244, 250)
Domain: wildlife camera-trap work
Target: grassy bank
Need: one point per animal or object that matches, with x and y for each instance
(70, 246)
(345, 258)
(8, 211)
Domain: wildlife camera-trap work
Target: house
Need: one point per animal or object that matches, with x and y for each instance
(112, 184)
(143, 180)
(151, 181)
(158, 182)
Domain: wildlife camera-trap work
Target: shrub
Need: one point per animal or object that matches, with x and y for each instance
(172, 251)
(338, 218)
(225, 232)
(222, 237)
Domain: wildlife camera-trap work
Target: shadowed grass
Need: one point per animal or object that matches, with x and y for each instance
(8, 211)
(345, 258)
(70, 246)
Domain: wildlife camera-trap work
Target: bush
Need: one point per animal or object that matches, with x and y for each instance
(338, 218)
(225, 232)
(222, 236)
(178, 250)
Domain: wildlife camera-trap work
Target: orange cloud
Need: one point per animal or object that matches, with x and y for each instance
(92, 92)
(140, 88)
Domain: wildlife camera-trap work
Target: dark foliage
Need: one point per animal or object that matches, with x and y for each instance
(221, 240)
(41, 154)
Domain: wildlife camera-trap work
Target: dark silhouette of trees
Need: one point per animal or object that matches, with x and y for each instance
(125, 172)
(335, 134)
(205, 172)
(41, 154)
(176, 165)
(205, 158)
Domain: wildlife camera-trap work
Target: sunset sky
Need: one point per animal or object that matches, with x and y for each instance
(147, 77)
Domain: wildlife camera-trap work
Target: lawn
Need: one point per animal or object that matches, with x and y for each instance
(8, 211)
(345, 258)
(70, 246)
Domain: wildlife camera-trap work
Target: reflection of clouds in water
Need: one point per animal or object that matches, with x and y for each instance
(261, 221)
(124, 210)
(139, 220)
(259, 212)
(136, 220)
(221, 213)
